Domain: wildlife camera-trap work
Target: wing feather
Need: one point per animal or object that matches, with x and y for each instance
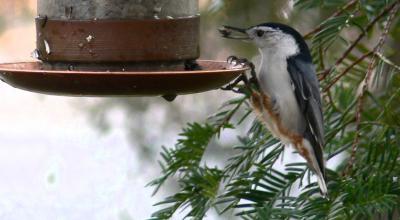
(308, 97)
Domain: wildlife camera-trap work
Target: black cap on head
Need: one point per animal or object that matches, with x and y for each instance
(304, 50)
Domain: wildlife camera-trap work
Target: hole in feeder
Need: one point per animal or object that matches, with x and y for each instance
(125, 55)
(89, 38)
(47, 47)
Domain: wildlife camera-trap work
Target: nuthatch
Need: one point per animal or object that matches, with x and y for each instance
(288, 102)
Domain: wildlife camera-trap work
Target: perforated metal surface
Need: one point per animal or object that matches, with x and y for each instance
(134, 40)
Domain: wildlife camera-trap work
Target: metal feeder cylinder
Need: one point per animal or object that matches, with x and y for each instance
(118, 48)
(102, 34)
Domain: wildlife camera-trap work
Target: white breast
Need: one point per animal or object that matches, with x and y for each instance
(275, 81)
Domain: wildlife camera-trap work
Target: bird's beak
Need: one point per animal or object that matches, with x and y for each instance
(234, 33)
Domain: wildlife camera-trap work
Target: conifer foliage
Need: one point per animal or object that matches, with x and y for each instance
(360, 84)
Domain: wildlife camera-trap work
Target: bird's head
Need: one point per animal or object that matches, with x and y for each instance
(271, 36)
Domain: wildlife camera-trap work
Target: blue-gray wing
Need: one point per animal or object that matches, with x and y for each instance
(306, 88)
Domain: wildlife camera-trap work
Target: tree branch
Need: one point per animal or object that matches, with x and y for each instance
(367, 78)
(337, 13)
(389, 8)
(387, 61)
(359, 60)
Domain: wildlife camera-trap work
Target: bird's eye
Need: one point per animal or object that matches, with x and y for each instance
(260, 33)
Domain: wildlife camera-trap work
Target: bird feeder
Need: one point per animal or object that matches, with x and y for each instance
(117, 47)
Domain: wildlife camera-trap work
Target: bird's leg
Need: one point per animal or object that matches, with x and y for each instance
(233, 60)
(253, 80)
(253, 87)
(231, 86)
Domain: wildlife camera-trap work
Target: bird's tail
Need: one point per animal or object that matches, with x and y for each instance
(315, 159)
(322, 184)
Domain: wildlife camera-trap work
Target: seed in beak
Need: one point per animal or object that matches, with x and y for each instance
(225, 32)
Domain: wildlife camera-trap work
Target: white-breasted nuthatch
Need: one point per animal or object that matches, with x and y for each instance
(288, 101)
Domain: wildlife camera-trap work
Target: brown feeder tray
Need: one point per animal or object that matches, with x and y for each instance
(36, 77)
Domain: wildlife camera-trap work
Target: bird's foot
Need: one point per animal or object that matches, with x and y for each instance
(242, 62)
(234, 61)
(234, 85)
(235, 90)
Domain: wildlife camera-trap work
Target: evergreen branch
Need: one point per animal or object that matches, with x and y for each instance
(370, 25)
(368, 75)
(326, 37)
(187, 153)
(223, 122)
(331, 102)
(336, 14)
(263, 187)
(389, 101)
(185, 158)
(359, 60)
(251, 186)
(388, 61)
(345, 71)
(375, 177)
(251, 157)
(252, 148)
(198, 190)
